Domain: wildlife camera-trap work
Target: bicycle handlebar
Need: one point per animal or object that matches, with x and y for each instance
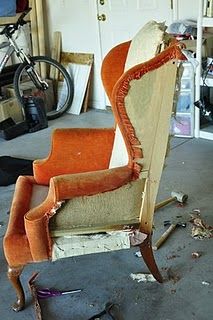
(11, 28)
(20, 19)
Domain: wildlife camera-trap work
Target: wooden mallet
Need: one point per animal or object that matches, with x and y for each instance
(175, 196)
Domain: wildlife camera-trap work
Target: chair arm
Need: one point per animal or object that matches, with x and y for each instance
(62, 188)
(75, 150)
(20, 205)
(16, 245)
(76, 185)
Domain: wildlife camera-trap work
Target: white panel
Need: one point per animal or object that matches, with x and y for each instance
(80, 74)
(146, 5)
(117, 5)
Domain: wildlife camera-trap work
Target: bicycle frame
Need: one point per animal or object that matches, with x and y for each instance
(13, 47)
(7, 55)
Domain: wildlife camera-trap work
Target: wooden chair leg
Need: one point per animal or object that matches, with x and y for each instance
(147, 254)
(13, 275)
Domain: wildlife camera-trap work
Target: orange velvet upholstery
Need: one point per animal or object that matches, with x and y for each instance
(75, 150)
(113, 66)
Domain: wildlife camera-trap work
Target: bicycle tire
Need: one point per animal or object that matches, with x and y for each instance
(21, 78)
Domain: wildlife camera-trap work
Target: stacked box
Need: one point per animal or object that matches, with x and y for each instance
(9, 108)
(28, 88)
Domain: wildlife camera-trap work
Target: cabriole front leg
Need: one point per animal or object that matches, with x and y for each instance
(14, 277)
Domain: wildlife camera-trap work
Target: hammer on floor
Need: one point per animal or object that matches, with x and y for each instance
(111, 309)
(167, 233)
(175, 196)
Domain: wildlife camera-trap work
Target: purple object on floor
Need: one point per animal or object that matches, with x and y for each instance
(48, 293)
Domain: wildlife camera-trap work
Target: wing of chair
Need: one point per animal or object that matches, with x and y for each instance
(98, 181)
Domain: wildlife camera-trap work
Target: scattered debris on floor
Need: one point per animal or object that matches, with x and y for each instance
(172, 256)
(142, 277)
(196, 210)
(196, 255)
(173, 291)
(137, 237)
(138, 254)
(205, 283)
(200, 229)
(172, 275)
(33, 290)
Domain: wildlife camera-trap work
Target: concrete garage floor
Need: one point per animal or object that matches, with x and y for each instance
(187, 292)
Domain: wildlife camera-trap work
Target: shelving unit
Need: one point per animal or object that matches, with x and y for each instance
(182, 124)
(202, 22)
(35, 17)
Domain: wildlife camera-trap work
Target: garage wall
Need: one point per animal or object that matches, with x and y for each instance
(77, 21)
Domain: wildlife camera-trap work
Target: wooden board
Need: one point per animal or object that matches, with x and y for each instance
(34, 28)
(84, 59)
(80, 58)
(160, 114)
(55, 53)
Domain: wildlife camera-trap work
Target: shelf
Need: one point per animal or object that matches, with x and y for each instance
(206, 135)
(11, 20)
(208, 81)
(207, 22)
(202, 22)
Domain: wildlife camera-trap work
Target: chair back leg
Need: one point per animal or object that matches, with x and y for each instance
(147, 254)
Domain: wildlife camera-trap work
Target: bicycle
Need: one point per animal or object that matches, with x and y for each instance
(37, 75)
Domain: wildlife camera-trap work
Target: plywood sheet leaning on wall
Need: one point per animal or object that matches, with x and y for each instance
(80, 65)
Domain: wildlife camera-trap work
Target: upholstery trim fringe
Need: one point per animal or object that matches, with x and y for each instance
(119, 93)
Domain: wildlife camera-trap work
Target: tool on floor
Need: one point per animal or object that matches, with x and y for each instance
(112, 310)
(48, 293)
(166, 234)
(32, 286)
(175, 196)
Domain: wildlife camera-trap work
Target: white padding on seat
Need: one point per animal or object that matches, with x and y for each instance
(119, 157)
(39, 194)
(76, 245)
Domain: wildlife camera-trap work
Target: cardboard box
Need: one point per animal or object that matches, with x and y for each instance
(10, 108)
(207, 45)
(29, 89)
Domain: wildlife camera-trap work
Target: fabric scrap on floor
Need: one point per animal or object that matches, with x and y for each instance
(11, 168)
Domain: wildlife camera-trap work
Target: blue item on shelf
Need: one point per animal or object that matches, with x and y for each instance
(7, 8)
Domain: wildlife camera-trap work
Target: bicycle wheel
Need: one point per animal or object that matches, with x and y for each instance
(55, 85)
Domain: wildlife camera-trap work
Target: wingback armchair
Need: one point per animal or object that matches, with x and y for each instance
(98, 181)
